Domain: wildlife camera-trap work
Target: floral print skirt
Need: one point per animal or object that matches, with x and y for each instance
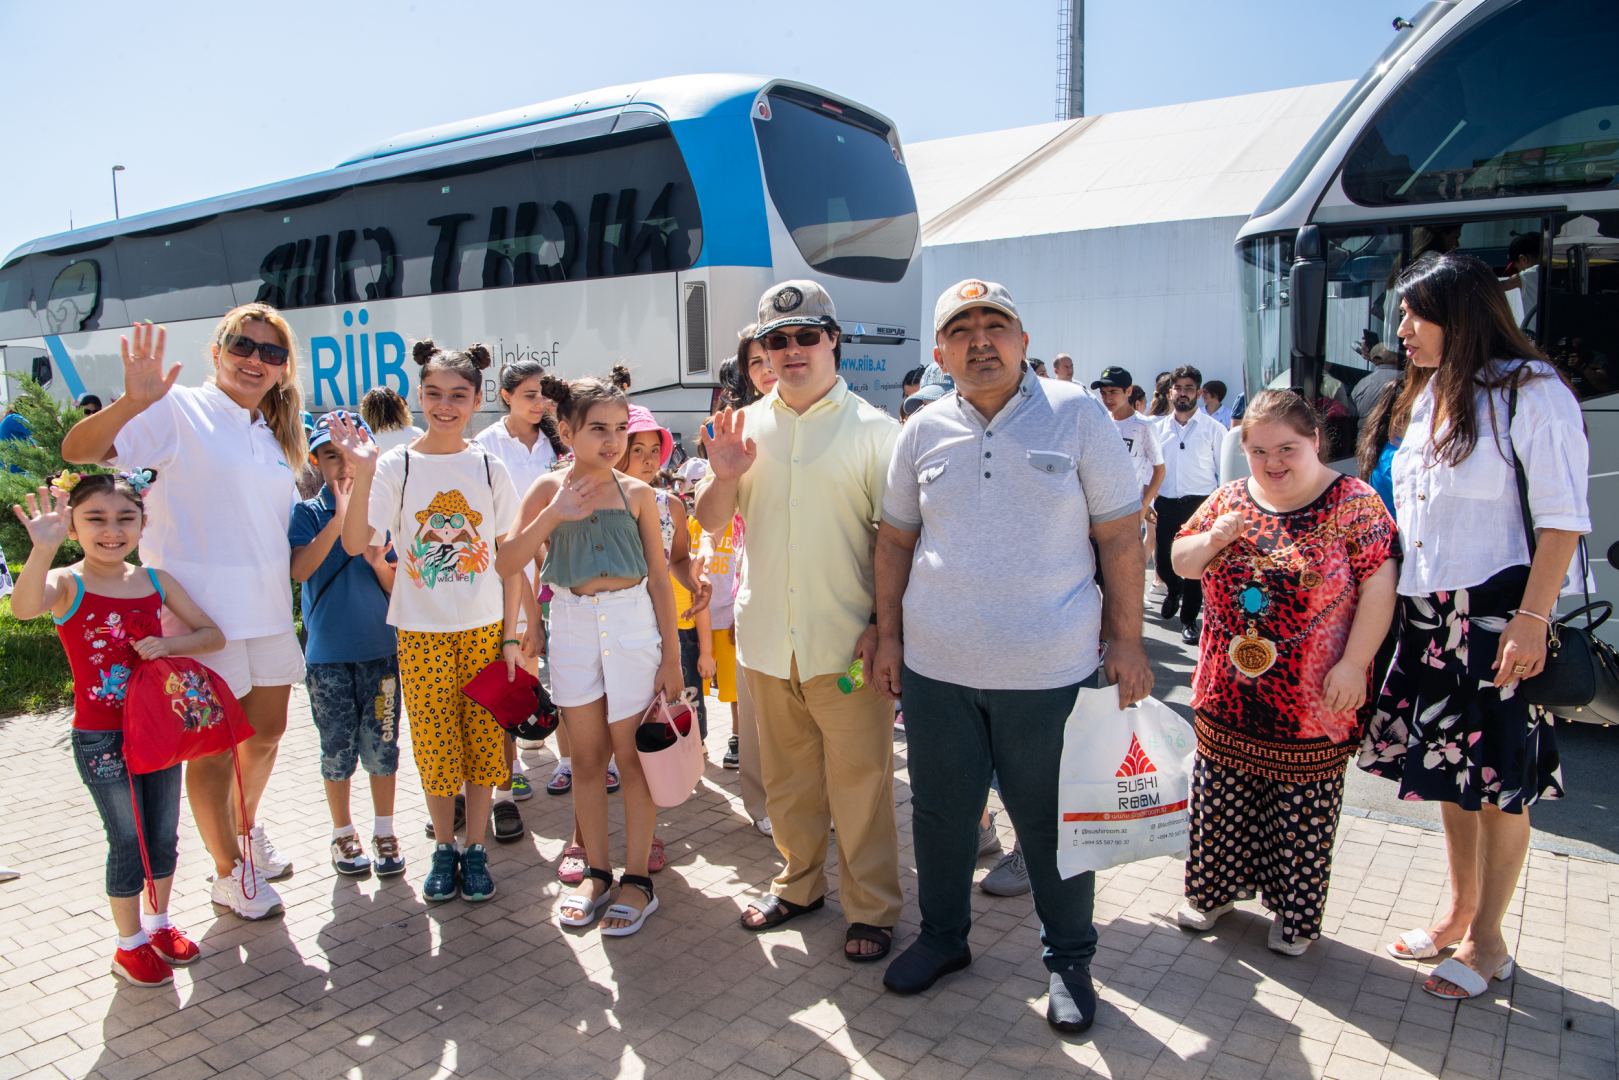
(1442, 729)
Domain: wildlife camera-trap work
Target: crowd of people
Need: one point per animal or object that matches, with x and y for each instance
(819, 577)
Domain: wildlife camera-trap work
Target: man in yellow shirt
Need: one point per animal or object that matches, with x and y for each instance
(806, 467)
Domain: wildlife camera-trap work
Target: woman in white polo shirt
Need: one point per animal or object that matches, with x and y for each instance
(225, 454)
(1477, 593)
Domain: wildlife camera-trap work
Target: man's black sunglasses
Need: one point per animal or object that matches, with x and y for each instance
(805, 339)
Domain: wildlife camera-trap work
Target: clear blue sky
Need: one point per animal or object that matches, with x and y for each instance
(197, 99)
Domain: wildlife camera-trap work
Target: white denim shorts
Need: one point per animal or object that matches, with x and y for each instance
(276, 660)
(606, 645)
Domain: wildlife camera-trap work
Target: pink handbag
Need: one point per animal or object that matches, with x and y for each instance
(670, 748)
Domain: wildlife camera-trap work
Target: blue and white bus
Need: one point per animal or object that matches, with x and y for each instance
(1489, 127)
(634, 225)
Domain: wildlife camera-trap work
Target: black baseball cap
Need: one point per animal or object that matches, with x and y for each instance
(1113, 376)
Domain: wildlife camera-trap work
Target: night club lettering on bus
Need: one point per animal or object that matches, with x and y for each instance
(523, 245)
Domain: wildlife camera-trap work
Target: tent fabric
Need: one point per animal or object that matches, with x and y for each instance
(1193, 161)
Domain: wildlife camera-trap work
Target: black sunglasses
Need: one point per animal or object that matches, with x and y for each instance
(804, 338)
(244, 347)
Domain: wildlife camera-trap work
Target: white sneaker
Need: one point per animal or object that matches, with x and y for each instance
(1190, 918)
(763, 825)
(1273, 941)
(231, 892)
(266, 859)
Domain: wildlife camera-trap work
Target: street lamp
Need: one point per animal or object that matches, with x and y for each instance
(116, 169)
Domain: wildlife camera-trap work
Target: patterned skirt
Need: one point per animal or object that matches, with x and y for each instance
(1252, 836)
(1442, 729)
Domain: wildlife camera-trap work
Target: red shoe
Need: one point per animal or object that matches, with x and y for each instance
(141, 967)
(173, 946)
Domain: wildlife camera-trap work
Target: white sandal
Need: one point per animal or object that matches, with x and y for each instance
(624, 911)
(1470, 982)
(1419, 945)
(590, 905)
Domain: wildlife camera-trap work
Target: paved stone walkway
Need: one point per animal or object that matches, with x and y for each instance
(361, 979)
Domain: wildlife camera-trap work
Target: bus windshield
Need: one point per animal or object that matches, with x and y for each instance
(1524, 103)
(840, 188)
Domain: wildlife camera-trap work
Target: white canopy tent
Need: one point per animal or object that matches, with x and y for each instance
(1114, 233)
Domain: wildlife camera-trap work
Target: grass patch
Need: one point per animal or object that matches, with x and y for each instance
(34, 674)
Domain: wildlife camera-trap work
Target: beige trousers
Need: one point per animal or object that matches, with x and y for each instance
(828, 758)
(747, 750)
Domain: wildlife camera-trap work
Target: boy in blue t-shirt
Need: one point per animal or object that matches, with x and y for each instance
(351, 659)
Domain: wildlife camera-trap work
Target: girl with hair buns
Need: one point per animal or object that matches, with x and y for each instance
(1299, 590)
(620, 378)
(227, 454)
(446, 501)
(613, 644)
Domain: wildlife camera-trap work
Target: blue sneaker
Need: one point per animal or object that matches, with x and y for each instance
(476, 884)
(440, 884)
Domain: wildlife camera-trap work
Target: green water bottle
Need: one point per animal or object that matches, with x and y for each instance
(855, 679)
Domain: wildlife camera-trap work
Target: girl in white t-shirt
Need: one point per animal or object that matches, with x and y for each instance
(445, 501)
(226, 455)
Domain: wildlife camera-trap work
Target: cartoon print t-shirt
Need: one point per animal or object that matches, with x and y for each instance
(445, 512)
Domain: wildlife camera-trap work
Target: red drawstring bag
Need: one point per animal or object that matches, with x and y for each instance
(175, 710)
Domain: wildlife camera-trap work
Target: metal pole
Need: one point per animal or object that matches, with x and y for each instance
(116, 169)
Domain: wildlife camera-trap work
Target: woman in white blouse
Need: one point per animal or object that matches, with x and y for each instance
(226, 454)
(1475, 600)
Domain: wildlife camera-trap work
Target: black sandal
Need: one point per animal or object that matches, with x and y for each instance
(777, 911)
(877, 935)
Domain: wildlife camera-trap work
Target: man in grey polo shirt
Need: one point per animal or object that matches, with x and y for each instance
(982, 562)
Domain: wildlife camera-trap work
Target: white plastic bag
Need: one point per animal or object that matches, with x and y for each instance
(1124, 783)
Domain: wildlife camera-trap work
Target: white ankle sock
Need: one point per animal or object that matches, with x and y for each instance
(503, 795)
(134, 941)
(382, 825)
(342, 831)
(160, 921)
(565, 763)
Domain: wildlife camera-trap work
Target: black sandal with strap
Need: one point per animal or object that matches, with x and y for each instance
(877, 935)
(777, 911)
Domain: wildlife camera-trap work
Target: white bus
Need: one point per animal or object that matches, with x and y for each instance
(1489, 127)
(634, 225)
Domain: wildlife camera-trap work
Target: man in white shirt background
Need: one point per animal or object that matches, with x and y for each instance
(1062, 368)
(1189, 440)
(1137, 431)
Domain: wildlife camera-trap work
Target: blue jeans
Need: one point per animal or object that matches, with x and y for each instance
(957, 737)
(99, 756)
(356, 710)
(690, 651)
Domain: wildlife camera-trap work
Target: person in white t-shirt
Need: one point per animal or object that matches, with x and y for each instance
(522, 443)
(445, 500)
(1140, 438)
(388, 416)
(226, 454)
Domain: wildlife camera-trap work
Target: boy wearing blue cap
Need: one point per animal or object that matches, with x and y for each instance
(351, 659)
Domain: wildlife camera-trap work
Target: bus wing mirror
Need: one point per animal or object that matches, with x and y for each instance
(1307, 289)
